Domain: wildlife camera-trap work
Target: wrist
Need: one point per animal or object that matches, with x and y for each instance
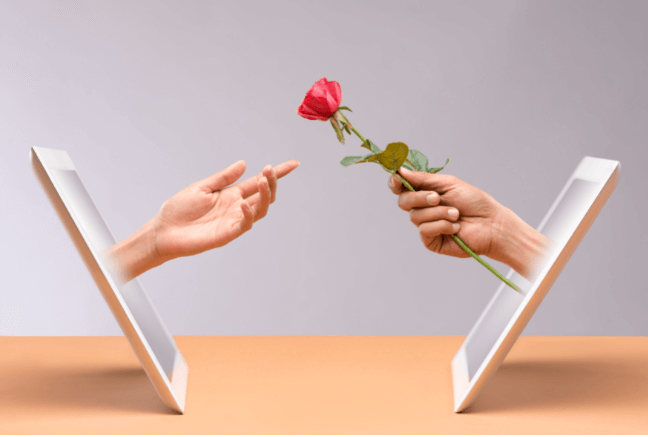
(134, 255)
(520, 246)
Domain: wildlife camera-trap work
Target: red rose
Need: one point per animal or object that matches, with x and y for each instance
(321, 101)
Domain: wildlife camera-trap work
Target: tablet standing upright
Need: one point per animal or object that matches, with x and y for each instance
(508, 312)
(151, 341)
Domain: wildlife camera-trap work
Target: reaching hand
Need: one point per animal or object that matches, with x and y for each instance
(209, 213)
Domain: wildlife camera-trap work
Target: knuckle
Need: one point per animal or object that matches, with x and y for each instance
(447, 227)
(426, 230)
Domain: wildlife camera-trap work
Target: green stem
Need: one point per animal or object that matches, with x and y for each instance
(485, 264)
(358, 134)
(403, 181)
(456, 239)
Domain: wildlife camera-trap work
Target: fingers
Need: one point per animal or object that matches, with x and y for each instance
(284, 168)
(429, 181)
(419, 216)
(260, 208)
(420, 199)
(395, 185)
(431, 230)
(224, 177)
(252, 213)
(249, 186)
(245, 223)
(271, 176)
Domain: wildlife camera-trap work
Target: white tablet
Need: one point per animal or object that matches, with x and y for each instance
(508, 312)
(134, 311)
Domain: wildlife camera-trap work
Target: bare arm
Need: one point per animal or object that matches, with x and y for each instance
(446, 205)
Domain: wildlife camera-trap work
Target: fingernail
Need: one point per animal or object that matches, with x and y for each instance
(455, 227)
(453, 213)
(433, 198)
(391, 182)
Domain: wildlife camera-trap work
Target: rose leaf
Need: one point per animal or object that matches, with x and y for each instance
(438, 169)
(348, 160)
(418, 159)
(393, 156)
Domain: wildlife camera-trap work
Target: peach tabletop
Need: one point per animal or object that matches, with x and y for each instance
(323, 385)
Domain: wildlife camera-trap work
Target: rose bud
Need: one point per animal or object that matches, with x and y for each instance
(322, 102)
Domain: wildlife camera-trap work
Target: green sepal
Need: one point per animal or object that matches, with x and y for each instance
(345, 108)
(338, 129)
(344, 123)
(438, 169)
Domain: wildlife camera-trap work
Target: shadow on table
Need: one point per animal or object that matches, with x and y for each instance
(522, 385)
(55, 390)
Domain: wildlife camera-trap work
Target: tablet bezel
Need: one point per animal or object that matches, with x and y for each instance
(171, 389)
(603, 172)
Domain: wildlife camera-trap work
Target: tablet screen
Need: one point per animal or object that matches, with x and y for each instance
(560, 225)
(98, 237)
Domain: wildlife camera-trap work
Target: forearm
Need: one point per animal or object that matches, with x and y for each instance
(134, 255)
(520, 246)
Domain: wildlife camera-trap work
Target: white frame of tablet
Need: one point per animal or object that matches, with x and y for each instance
(173, 392)
(603, 172)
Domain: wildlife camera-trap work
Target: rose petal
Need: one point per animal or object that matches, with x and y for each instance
(305, 112)
(321, 100)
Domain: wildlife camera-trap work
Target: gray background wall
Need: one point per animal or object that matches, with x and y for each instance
(148, 97)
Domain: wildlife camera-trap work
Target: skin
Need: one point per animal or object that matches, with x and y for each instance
(446, 205)
(212, 212)
(205, 215)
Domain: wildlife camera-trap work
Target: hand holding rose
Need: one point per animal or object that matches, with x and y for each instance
(447, 205)
(322, 102)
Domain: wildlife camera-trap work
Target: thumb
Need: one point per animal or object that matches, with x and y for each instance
(224, 177)
(420, 180)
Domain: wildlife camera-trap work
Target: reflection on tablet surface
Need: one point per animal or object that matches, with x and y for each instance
(559, 227)
(99, 238)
